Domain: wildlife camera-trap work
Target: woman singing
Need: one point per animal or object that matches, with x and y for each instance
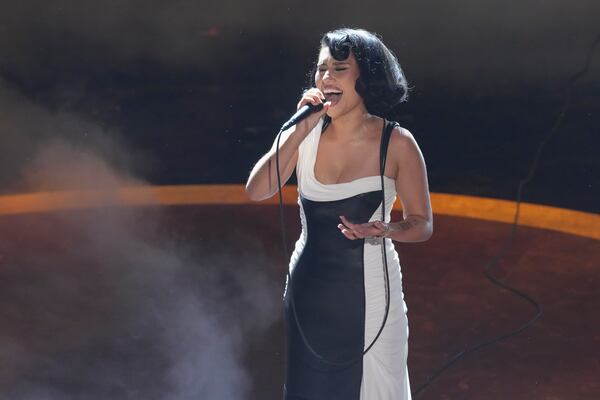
(344, 295)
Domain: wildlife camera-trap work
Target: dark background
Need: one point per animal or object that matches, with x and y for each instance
(195, 91)
(185, 302)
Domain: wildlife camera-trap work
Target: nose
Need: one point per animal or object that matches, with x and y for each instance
(327, 75)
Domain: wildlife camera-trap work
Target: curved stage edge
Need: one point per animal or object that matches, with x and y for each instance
(531, 215)
(91, 284)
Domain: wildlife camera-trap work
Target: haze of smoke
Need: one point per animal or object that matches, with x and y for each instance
(117, 315)
(113, 303)
(53, 150)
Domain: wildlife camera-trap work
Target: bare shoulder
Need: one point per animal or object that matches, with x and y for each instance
(403, 143)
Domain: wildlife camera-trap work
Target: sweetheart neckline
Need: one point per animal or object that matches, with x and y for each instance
(314, 164)
(352, 181)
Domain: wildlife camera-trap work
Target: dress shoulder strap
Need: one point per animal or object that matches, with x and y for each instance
(388, 127)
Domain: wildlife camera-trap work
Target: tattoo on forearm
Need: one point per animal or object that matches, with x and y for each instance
(407, 224)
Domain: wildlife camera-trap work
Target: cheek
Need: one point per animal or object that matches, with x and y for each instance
(350, 86)
(354, 80)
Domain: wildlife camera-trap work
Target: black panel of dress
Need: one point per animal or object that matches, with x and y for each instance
(327, 285)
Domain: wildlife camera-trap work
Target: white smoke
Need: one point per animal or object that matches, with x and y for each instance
(117, 302)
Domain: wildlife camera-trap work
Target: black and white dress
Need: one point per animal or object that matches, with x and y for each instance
(339, 292)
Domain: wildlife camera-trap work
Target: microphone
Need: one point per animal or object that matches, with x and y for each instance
(301, 114)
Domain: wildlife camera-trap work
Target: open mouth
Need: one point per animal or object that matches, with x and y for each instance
(333, 96)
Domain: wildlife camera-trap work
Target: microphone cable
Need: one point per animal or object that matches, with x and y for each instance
(354, 360)
(509, 241)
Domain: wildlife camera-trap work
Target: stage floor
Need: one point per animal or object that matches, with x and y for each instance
(181, 301)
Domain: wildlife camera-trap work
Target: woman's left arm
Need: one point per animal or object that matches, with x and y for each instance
(412, 189)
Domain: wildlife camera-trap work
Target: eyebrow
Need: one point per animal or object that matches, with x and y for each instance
(335, 63)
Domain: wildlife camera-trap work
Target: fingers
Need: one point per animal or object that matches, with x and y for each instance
(381, 226)
(312, 96)
(346, 222)
(346, 227)
(347, 232)
(361, 231)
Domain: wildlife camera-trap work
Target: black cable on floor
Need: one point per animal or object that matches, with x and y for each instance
(509, 240)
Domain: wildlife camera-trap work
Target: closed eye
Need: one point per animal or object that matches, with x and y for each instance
(337, 69)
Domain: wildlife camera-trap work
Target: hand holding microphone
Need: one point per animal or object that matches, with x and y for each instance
(311, 108)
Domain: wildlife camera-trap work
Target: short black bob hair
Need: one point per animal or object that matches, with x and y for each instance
(381, 84)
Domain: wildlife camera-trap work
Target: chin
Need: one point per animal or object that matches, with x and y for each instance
(333, 113)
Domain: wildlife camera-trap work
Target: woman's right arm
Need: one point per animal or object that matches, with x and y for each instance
(262, 182)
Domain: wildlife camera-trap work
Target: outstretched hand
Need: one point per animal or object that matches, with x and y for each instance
(367, 230)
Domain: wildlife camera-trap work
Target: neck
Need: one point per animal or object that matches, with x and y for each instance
(351, 123)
